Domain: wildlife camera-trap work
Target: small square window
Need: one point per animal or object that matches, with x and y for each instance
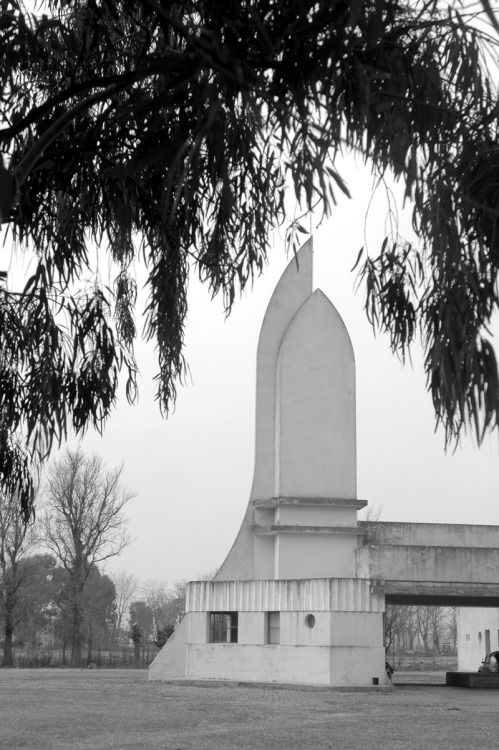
(468, 636)
(273, 627)
(223, 627)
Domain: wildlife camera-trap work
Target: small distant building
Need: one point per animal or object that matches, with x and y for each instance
(477, 635)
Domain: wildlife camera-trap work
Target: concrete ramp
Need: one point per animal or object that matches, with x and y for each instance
(171, 660)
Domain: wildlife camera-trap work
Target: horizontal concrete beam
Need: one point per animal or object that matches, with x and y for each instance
(426, 593)
(431, 534)
(453, 565)
(443, 601)
(297, 529)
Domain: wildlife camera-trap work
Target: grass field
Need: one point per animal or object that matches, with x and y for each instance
(54, 709)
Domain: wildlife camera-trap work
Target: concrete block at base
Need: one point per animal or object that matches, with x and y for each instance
(314, 665)
(472, 680)
(355, 665)
(171, 660)
(252, 663)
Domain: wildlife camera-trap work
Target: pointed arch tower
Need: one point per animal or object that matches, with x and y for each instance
(301, 520)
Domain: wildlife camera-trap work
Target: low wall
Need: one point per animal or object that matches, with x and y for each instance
(315, 665)
(472, 680)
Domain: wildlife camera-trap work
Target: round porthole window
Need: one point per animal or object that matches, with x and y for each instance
(310, 621)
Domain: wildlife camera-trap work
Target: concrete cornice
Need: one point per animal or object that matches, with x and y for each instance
(274, 502)
(295, 529)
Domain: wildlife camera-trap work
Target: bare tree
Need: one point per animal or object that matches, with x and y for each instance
(126, 585)
(423, 618)
(157, 596)
(167, 606)
(176, 605)
(16, 538)
(179, 589)
(438, 616)
(371, 513)
(84, 525)
(141, 628)
(411, 626)
(208, 575)
(394, 622)
(452, 627)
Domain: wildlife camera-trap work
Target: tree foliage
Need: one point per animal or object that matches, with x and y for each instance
(141, 625)
(99, 607)
(42, 611)
(182, 122)
(141, 615)
(37, 594)
(15, 541)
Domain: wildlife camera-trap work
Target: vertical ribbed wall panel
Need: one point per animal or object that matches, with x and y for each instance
(314, 594)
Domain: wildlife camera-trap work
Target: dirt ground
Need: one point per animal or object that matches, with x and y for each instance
(56, 709)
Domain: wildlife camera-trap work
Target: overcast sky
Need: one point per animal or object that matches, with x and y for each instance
(193, 471)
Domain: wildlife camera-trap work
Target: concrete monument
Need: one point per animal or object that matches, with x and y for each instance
(301, 595)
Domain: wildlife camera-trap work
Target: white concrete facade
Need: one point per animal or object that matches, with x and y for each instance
(330, 633)
(301, 520)
(315, 406)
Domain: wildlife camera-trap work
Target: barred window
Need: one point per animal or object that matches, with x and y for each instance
(273, 627)
(223, 627)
